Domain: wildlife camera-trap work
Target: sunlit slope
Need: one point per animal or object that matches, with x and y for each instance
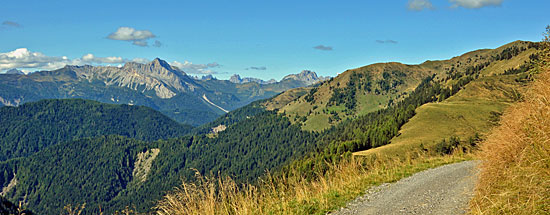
(475, 109)
(366, 89)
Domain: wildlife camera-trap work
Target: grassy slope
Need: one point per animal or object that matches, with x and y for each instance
(515, 173)
(317, 119)
(463, 115)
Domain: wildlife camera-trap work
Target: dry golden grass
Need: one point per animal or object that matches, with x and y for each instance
(295, 194)
(515, 172)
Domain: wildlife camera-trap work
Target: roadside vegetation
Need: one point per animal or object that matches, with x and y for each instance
(296, 194)
(515, 172)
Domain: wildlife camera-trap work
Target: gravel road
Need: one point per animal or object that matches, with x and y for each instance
(442, 190)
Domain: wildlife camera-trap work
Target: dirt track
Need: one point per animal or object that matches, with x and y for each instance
(442, 190)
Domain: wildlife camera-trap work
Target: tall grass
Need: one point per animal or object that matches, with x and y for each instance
(295, 194)
(515, 172)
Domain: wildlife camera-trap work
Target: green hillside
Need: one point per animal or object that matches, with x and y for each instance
(102, 169)
(357, 92)
(31, 127)
(473, 111)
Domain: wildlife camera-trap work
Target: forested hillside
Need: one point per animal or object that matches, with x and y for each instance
(102, 168)
(34, 126)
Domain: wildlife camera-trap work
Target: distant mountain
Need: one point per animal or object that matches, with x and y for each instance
(156, 84)
(306, 76)
(205, 78)
(14, 72)
(238, 80)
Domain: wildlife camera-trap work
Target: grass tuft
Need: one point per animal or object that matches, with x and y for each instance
(515, 172)
(296, 194)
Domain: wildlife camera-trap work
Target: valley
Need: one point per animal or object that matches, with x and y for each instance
(130, 156)
(274, 107)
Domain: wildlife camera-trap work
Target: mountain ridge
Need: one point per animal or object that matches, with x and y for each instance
(156, 84)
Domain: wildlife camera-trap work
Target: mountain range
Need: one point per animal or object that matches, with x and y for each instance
(116, 160)
(156, 84)
(305, 76)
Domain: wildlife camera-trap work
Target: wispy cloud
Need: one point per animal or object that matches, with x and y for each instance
(141, 43)
(90, 58)
(256, 68)
(419, 5)
(387, 41)
(192, 68)
(157, 43)
(137, 37)
(130, 34)
(141, 60)
(474, 4)
(323, 48)
(11, 24)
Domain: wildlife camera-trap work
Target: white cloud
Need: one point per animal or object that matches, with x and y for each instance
(130, 34)
(137, 37)
(192, 68)
(419, 5)
(475, 3)
(27, 61)
(141, 60)
(22, 58)
(90, 58)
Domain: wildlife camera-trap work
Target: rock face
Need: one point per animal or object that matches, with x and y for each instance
(143, 164)
(306, 76)
(158, 76)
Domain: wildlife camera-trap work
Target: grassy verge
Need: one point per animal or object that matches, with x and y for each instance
(515, 172)
(297, 195)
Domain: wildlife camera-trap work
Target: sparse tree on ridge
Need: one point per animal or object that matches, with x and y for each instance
(546, 35)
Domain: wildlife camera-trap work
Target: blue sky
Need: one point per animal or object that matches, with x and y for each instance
(265, 39)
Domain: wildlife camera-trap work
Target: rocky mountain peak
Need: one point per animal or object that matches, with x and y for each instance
(158, 76)
(157, 62)
(235, 79)
(14, 71)
(306, 76)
